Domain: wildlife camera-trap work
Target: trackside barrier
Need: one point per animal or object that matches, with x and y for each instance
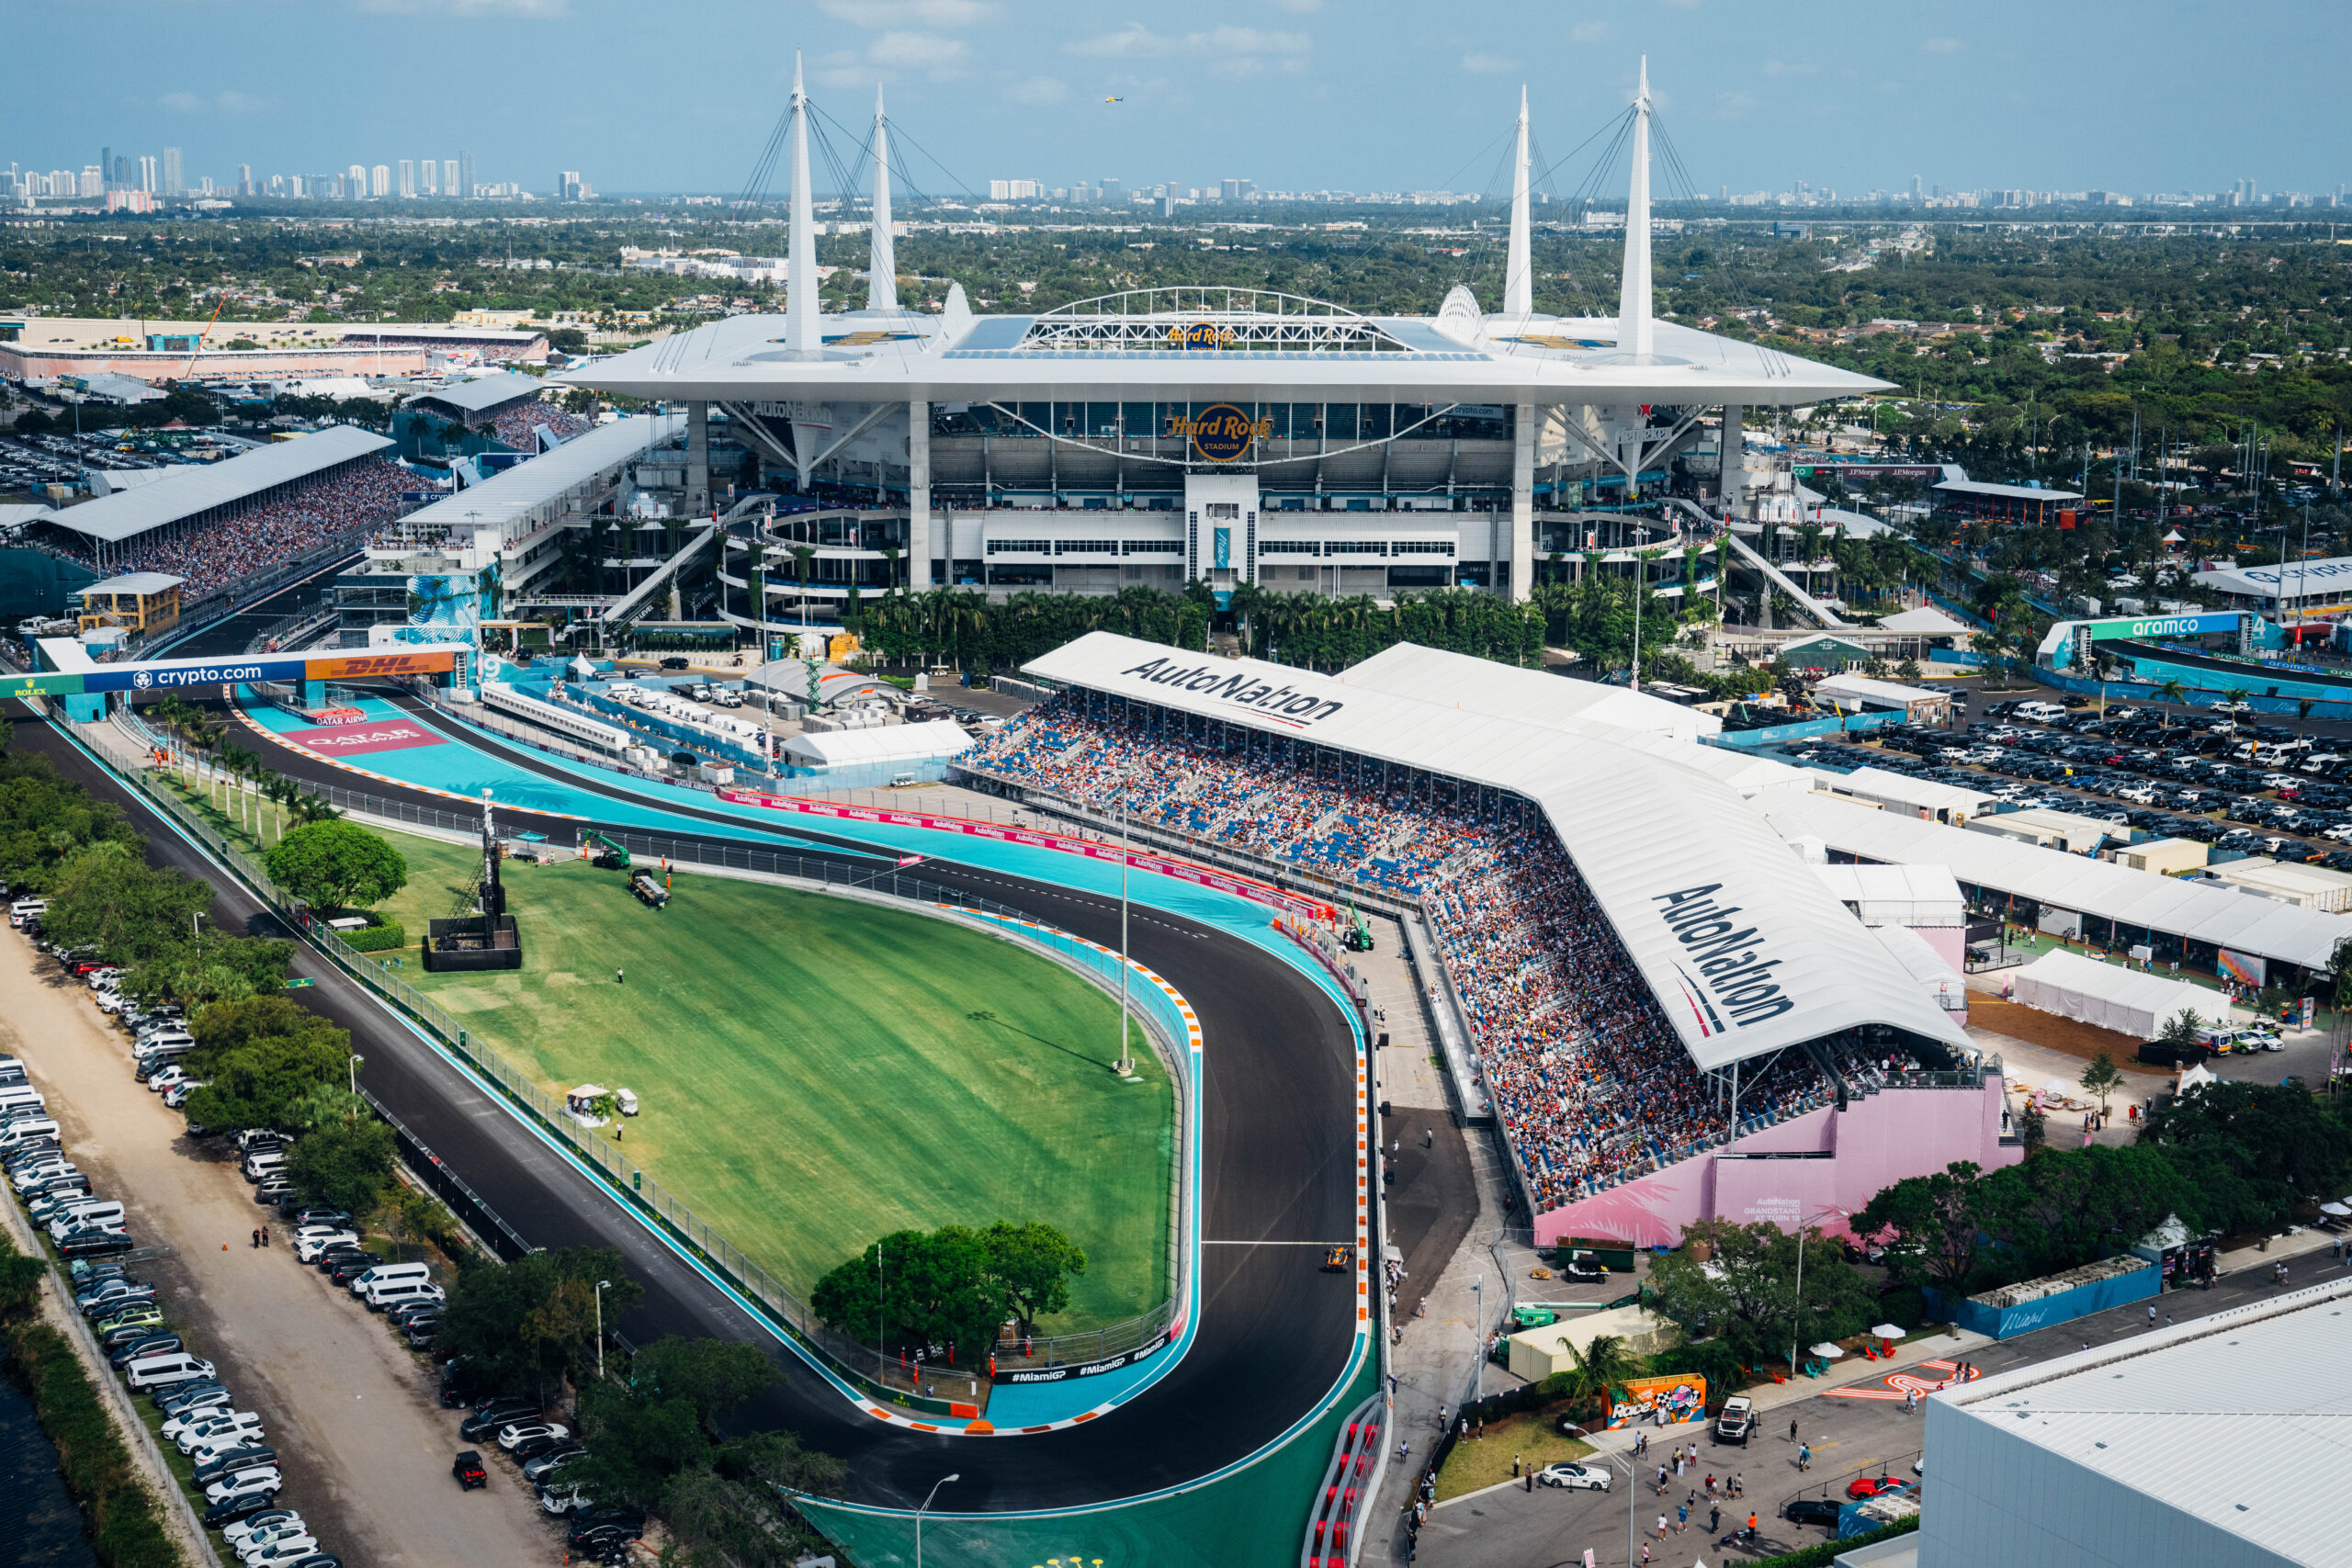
(788, 1312)
(1334, 1524)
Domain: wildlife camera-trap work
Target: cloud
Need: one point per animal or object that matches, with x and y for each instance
(530, 10)
(1040, 90)
(938, 58)
(1588, 33)
(1487, 64)
(1298, 5)
(228, 103)
(1790, 68)
(1941, 46)
(903, 12)
(1231, 51)
(1732, 106)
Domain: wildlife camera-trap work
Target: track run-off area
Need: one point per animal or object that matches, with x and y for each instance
(1216, 1456)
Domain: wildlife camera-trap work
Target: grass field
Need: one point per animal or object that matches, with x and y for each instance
(815, 1072)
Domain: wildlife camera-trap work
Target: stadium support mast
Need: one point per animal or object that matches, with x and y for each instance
(1519, 277)
(882, 267)
(1634, 329)
(800, 332)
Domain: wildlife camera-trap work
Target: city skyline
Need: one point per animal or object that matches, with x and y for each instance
(1300, 94)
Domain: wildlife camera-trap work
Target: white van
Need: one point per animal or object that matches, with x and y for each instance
(176, 1366)
(77, 1216)
(169, 1038)
(389, 1274)
(20, 1094)
(262, 1164)
(399, 1292)
(27, 1132)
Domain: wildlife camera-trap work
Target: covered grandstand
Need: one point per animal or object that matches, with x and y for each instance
(1656, 987)
(216, 523)
(500, 413)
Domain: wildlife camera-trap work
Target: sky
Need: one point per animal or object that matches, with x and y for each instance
(1359, 94)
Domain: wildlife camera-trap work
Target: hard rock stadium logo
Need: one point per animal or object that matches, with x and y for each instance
(1731, 973)
(1201, 335)
(1221, 431)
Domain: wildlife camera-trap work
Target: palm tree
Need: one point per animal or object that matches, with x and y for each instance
(804, 554)
(1600, 1367)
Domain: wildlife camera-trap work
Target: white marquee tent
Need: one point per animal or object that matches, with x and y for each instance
(2126, 1001)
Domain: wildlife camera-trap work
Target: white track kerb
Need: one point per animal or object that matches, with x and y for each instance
(1306, 1419)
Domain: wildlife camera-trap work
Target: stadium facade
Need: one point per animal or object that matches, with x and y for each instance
(1224, 436)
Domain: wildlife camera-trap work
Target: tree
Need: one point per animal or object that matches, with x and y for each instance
(1746, 1292)
(914, 1290)
(107, 897)
(1600, 1368)
(1031, 1266)
(2067, 1207)
(336, 866)
(2252, 1152)
(344, 1164)
(2101, 1079)
(512, 1328)
(258, 1057)
(1935, 1225)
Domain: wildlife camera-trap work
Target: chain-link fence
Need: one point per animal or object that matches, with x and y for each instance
(860, 1363)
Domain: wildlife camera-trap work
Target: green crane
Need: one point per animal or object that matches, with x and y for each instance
(613, 855)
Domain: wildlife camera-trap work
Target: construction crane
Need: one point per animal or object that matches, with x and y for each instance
(614, 856)
(204, 335)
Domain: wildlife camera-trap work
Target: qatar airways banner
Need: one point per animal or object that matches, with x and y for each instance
(1200, 876)
(351, 739)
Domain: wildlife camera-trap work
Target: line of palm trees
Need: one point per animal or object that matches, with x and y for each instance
(232, 778)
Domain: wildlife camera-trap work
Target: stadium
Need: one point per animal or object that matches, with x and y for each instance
(1228, 437)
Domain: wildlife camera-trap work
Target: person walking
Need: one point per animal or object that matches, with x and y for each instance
(618, 978)
(1661, 1481)
(1681, 1517)
(256, 1240)
(1429, 1137)
(1714, 1518)
(1792, 1431)
(1440, 1417)
(1804, 1458)
(2151, 1315)
(1661, 1526)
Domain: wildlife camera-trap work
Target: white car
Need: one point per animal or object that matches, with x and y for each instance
(166, 1078)
(291, 1548)
(1577, 1477)
(524, 1431)
(234, 1429)
(264, 1481)
(565, 1500)
(290, 1528)
(310, 1249)
(244, 1529)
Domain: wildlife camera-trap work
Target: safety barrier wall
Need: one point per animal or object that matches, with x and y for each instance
(784, 1308)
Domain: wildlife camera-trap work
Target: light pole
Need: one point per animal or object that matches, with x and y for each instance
(1796, 1313)
(355, 1059)
(926, 1504)
(1630, 1482)
(602, 1286)
(1477, 1337)
(1125, 1066)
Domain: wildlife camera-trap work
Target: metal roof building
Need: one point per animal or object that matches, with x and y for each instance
(1531, 697)
(2218, 1443)
(191, 495)
(1648, 836)
(477, 399)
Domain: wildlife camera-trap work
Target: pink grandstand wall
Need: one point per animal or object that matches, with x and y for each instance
(1878, 1140)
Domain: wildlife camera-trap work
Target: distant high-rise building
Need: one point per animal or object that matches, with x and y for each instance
(1016, 190)
(379, 181)
(431, 170)
(465, 180)
(1114, 190)
(175, 178)
(568, 185)
(277, 184)
(355, 182)
(105, 168)
(1230, 189)
(148, 172)
(450, 185)
(244, 179)
(1915, 187)
(93, 181)
(408, 176)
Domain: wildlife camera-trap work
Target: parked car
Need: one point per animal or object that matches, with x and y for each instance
(141, 1345)
(177, 1425)
(1812, 1511)
(229, 1461)
(219, 1428)
(1576, 1477)
(1871, 1485)
(1736, 1420)
(186, 1397)
(468, 1469)
(345, 1266)
(237, 1534)
(261, 1484)
(498, 1413)
(540, 1468)
(322, 1214)
(564, 1499)
(243, 1506)
(286, 1549)
(307, 1250)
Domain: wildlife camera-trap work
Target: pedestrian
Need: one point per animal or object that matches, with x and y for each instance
(1681, 1518)
(1514, 1465)
(1404, 1450)
(1661, 1481)
(1440, 1417)
(265, 1236)
(1645, 1546)
(256, 1239)
(1738, 1484)
(1661, 1526)
(1804, 1458)
(1714, 1518)
(1710, 1486)
(2151, 1315)
(1751, 1527)
(618, 978)
(1792, 1431)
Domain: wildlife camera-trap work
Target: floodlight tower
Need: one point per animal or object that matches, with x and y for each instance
(1634, 328)
(882, 264)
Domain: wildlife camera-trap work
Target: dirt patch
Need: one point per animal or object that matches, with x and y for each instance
(2051, 1033)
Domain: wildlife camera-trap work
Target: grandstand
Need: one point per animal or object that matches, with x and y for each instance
(488, 413)
(219, 523)
(1658, 991)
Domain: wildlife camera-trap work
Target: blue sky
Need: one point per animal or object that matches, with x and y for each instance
(2159, 95)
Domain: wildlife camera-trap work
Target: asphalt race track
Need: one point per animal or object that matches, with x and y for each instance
(1278, 1165)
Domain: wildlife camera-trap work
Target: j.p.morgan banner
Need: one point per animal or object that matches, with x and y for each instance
(1089, 1368)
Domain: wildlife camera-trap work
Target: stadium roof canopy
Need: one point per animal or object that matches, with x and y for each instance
(186, 491)
(483, 393)
(1433, 676)
(2005, 492)
(519, 491)
(2263, 581)
(2145, 900)
(1650, 836)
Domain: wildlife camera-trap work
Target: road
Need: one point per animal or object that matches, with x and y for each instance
(1278, 1131)
(352, 1413)
(1515, 1528)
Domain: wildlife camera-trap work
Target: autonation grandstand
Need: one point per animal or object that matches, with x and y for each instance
(1668, 1013)
(1223, 437)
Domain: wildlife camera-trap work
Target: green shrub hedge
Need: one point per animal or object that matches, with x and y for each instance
(383, 937)
(124, 1518)
(1822, 1553)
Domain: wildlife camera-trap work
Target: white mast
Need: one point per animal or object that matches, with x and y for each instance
(1519, 282)
(882, 268)
(800, 270)
(1634, 332)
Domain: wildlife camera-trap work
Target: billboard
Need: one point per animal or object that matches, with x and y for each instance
(2243, 968)
(1683, 1398)
(2212, 623)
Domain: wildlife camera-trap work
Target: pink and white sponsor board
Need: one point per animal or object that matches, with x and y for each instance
(1792, 1172)
(350, 739)
(1200, 876)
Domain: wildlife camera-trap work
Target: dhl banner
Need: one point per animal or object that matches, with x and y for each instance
(1200, 876)
(1682, 1398)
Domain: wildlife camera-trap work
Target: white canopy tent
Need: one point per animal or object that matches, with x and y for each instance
(2111, 996)
(929, 742)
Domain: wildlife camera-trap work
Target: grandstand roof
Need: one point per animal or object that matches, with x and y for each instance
(133, 583)
(185, 492)
(1651, 839)
(2144, 900)
(1458, 680)
(484, 393)
(497, 502)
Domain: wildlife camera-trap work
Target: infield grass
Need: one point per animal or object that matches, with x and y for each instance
(815, 1072)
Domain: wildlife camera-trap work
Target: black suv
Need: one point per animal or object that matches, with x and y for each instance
(1812, 1511)
(489, 1417)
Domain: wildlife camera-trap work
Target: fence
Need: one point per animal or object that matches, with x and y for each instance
(784, 1309)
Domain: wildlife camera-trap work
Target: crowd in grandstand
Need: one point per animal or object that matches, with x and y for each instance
(1586, 1073)
(515, 426)
(344, 505)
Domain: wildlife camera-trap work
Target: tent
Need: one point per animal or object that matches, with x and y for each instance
(2126, 1001)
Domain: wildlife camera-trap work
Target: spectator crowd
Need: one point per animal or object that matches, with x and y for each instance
(343, 506)
(515, 426)
(1586, 1074)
